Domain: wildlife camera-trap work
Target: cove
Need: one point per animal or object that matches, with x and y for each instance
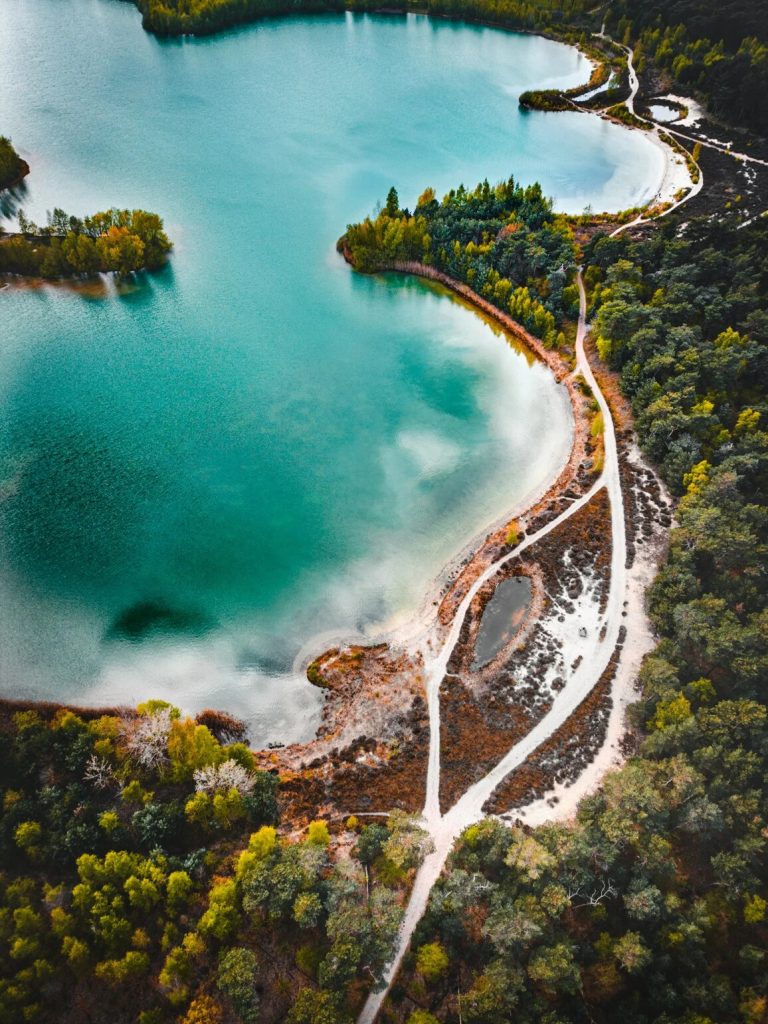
(256, 448)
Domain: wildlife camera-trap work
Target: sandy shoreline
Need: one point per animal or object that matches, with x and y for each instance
(676, 176)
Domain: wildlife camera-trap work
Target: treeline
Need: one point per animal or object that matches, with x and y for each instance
(12, 167)
(119, 241)
(653, 907)
(503, 241)
(201, 17)
(143, 880)
(718, 50)
(174, 17)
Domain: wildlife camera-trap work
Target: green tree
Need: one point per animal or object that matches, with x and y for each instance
(393, 203)
(236, 978)
(432, 961)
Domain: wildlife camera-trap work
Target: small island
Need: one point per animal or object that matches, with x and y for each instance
(112, 241)
(13, 169)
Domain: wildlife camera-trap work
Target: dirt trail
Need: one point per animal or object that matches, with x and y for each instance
(445, 829)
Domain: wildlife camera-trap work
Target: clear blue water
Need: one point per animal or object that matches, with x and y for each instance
(256, 446)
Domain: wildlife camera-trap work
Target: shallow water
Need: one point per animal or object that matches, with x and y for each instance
(257, 446)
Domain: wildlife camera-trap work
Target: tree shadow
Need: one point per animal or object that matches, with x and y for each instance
(12, 199)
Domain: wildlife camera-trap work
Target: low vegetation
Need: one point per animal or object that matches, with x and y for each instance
(619, 112)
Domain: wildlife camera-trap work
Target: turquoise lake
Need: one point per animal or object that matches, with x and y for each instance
(256, 447)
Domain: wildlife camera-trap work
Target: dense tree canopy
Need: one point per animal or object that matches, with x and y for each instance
(503, 241)
(143, 880)
(118, 241)
(105, 862)
(172, 17)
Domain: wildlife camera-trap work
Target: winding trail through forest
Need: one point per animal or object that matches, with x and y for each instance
(662, 129)
(444, 829)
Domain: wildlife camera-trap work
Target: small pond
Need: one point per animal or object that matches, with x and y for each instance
(661, 112)
(502, 617)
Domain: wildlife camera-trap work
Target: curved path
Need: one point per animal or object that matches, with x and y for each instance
(634, 85)
(444, 829)
(629, 103)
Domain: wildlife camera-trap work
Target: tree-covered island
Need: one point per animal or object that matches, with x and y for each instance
(113, 241)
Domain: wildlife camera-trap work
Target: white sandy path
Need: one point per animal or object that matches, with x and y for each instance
(639, 641)
(695, 110)
(672, 175)
(445, 829)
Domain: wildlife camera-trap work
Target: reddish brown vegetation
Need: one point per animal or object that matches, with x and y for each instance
(567, 752)
(371, 749)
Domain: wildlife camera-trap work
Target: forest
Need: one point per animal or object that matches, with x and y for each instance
(174, 17)
(503, 241)
(118, 241)
(143, 879)
(717, 51)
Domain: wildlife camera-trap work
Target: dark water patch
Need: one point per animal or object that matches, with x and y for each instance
(502, 618)
(153, 618)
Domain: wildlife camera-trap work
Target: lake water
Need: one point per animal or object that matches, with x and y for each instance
(257, 446)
